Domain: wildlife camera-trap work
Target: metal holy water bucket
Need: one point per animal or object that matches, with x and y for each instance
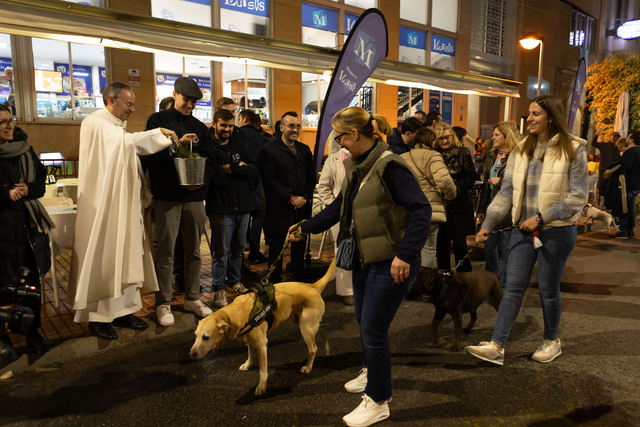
(190, 170)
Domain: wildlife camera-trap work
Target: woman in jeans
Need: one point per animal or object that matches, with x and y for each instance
(460, 221)
(436, 183)
(390, 215)
(496, 247)
(545, 187)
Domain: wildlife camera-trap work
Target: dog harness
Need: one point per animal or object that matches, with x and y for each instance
(263, 306)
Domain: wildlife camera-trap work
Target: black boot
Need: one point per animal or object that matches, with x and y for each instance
(7, 352)
(130, 321)
(103, 330)
(37, 342)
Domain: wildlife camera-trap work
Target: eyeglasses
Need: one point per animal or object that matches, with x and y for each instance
(443, 138)
(294, 127)
(5, 123)
(129, 104)
(338, 139)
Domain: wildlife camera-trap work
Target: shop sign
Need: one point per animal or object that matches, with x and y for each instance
(163, 79)
(434, 100)
(320, 18)
(204, 83)
(443, 45)
(253, 7)
(447, 107)
(629, 30)
(81, 78)
(4, 82)
(413, 38)
(349, 22)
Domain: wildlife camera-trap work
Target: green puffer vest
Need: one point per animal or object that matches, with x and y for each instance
(379, 223)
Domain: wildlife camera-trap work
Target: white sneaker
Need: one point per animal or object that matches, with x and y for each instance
(548, 351)
(198, 307)
(487, 351)
(367, 413)
(358, 384)
(220, 298)
(164, 315)
(239, 288)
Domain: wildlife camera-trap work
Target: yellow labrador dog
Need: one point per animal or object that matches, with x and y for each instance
(298, 303)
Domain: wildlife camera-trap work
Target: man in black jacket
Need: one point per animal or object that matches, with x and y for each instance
(630, 168)
(180, 207)
(399, 142)
(255, 142)
(229, 202)
(289, 178)
(609, 154)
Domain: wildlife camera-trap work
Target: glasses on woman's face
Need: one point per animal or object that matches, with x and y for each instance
(445, 138)
(338, 139)
(5, 123)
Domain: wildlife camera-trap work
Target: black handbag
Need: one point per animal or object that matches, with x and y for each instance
(345, 253)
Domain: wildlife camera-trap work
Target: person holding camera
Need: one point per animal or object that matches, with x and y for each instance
(24, 223)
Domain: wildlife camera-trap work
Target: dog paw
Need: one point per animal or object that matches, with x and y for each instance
(245, 366)
(456, 347)
(305, 370)
(260, 390)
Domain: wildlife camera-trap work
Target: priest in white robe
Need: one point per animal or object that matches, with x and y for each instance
(112, 260)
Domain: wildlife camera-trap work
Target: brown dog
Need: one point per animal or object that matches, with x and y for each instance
(456, 294)
(298, 303)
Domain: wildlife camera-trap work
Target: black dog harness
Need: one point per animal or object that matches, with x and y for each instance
(263, 306)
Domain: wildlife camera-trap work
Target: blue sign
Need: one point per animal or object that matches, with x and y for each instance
(4, 82)
(434, 101)
(320, 18)
(253, 7)
(349, 22)
(81, 78)
(163, 79)
(443, 45)
(204, 83)
(102, 77)
(413, 38)
(365, 48)
(447, 107)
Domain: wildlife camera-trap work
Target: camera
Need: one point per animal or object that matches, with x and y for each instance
(18, 319)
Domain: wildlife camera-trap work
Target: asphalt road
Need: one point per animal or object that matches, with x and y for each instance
(594, 383)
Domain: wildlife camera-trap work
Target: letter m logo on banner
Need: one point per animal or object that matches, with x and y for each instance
(319, 18)
(365, 49)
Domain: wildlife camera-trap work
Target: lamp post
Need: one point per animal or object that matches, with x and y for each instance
(531, 41)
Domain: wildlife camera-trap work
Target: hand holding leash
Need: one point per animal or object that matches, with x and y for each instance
(482, 235)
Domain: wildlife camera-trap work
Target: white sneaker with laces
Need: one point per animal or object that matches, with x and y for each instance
(358, 384)
(164, 315)
(548, 351)
(367, 413)
(487, 351)
(220, 298)
(239, 288)
(198, 307)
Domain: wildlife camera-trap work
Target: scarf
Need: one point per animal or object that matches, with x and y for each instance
(9, 150)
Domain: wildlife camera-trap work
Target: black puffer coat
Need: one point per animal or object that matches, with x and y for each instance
(460, 220)
(20, 243)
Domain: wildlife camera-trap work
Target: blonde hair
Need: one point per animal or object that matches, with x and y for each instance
(509, 133)
(557, 126)
(442, 128)
(360, 119)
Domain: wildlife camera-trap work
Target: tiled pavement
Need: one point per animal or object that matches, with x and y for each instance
(58, 324)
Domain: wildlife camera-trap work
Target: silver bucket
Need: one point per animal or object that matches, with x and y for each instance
(190, 170)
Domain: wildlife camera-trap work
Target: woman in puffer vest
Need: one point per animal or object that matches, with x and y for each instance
(436, 183)
(545, 187)
(390, 215)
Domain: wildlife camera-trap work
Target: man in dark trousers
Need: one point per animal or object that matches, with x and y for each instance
(229, 202)
(176, 206)
(255, 142)
(630, 168)
(288, 177)
(609, 154)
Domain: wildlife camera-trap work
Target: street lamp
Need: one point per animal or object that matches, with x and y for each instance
(531, 41)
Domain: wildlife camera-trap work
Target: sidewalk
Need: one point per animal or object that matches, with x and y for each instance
(74, 340)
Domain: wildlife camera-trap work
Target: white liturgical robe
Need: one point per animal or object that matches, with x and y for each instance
(111, 260)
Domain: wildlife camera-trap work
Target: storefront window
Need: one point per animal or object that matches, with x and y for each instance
(247, 86)
(196, 12)
(314, 89)
(444, 15)
(413, 46)
(414, 10)
(54, 83)
(96, 3)
(319, 25)
(245, 17)
(443, 52)
(7, 93)
(365, 4)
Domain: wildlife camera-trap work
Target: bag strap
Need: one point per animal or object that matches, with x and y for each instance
(366, 177)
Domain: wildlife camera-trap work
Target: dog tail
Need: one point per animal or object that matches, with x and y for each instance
(329, 276)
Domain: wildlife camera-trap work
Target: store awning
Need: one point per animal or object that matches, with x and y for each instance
(97, 26)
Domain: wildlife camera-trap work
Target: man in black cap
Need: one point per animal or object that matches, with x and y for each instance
(180, 207)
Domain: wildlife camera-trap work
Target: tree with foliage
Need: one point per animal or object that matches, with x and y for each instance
(606, 80)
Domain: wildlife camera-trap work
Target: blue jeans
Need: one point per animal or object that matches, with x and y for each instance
(228, 237)
(376, 300)
(558, 242)
(496, 252)
(628, 221)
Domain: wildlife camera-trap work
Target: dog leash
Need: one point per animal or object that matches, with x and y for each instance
(265, 279)
(476, 245)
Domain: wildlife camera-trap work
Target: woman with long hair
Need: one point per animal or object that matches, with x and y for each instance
(496, 247)
(436, 183)
(382, 208)
(460, 221)
(545, 186)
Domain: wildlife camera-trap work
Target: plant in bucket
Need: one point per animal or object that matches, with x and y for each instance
(189, 165)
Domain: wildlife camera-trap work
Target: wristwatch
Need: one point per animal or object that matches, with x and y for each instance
(539, 219)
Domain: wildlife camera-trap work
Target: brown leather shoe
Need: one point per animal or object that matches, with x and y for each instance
(347, 300)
